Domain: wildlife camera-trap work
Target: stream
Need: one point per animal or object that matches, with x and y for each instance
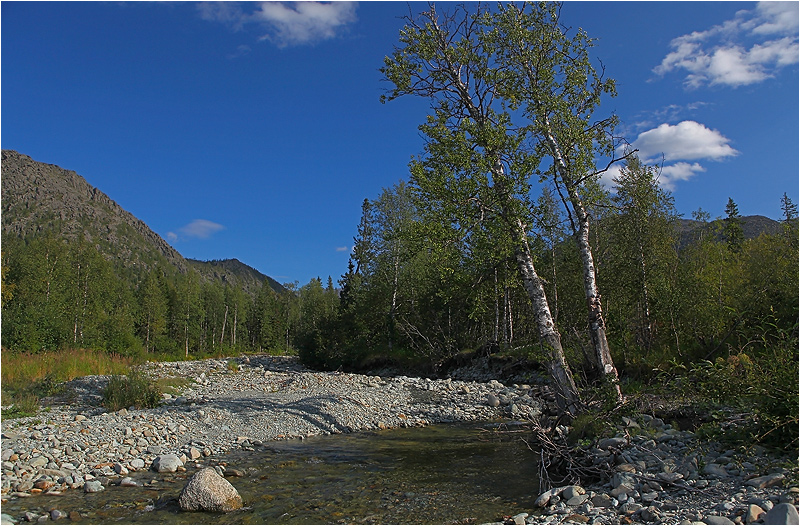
(440, 474)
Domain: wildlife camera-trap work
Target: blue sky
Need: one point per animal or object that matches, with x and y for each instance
(255, 131)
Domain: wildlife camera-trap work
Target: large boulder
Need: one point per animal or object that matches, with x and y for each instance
(208, 491)
(783, 513)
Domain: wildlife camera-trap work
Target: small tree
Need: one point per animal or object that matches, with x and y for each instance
(733, 232)
(788, 208)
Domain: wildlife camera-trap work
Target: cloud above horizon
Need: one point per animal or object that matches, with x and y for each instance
(746, 50)
(285, 23)
(685, 141)
(673, 145)
(197, 229)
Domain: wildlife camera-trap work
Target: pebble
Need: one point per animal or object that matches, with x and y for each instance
(658, 475)
(658, 482)
(70, 445)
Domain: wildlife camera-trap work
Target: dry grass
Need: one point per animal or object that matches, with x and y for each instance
(28, 376)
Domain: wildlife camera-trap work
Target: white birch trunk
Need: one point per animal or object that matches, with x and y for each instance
(566, 391)
(603, 362)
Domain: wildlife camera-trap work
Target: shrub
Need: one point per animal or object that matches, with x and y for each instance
(134, 389)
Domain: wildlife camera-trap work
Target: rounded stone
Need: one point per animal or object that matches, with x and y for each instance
(93, 486)
(208, 491)
(166, 464)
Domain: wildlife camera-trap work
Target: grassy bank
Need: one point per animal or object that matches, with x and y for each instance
(28, 377)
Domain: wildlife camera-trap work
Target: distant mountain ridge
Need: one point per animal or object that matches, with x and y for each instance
(752, 227)
(38, 198)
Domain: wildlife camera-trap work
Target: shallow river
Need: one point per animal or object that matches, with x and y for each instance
(441, 474)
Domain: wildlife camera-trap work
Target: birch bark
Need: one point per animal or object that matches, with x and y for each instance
(603, 363)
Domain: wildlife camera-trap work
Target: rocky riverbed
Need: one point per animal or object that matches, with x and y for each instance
(660, 474)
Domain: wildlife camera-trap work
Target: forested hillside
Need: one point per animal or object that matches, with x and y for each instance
(79, 271)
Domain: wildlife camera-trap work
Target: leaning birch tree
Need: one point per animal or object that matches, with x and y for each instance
(475, 167)
(551, 80)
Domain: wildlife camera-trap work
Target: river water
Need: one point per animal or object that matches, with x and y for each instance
(440, 474)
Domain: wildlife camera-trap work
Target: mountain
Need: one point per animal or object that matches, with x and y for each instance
(752, 227)
(38, 198)
(234, 272)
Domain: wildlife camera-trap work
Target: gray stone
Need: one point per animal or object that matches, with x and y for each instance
(602, 501)
(5, 518)
(128, 482)
(572, 491)
(492, 400)
(670, 477)
(545, 497)
(717, 519)
(577, 500)
(208, 491)
(166, 463)
(137, 463)
(520, 518)
(93, 486)
(629, 508)
(622, 489)
(621, 478)
(783, 513)
(649, 497)
(766, 481)
(38, 462)
(714, 469)
(57, 514)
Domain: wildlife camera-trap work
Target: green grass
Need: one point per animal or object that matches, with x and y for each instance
(28, 377)
(132, 390)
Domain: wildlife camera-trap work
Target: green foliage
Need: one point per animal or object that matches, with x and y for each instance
(759, 381)
(589, 426)
(132, 390)
(733, 232)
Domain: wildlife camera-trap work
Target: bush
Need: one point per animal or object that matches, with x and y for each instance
(135, 390)
(760, 383)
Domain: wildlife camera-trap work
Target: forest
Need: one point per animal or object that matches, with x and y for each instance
(502, 240)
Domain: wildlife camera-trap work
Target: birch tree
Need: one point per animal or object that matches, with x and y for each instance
(551, 80)
(474, 166)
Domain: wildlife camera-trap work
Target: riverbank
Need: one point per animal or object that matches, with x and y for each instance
(660, 474)
(230, 406)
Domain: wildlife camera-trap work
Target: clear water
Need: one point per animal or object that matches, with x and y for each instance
(441, 474)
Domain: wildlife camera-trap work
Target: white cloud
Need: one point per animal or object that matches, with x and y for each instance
(342, 249)
(226, 12)
(685, 141)
(746, 50)
(197, 229)
(304, 22)
(678, 172)
(669, 175)
(670, 146)
(607, 178)
(285, 23)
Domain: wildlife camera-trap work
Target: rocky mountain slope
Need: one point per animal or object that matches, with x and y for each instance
(38, 198)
